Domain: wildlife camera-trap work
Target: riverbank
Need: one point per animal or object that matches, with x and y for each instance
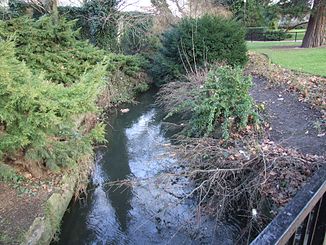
(259, 167)
(31, 208)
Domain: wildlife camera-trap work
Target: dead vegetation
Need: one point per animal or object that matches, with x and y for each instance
(226, 174)
(248, 171)
(312, 89)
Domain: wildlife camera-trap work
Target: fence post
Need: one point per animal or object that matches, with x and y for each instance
(251, 36)
(279, 36)
(295, 39)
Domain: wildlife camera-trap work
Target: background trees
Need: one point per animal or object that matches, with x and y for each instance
(315, 35)
(268, 13)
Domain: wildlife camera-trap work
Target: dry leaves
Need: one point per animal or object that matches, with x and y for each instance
(312, 89)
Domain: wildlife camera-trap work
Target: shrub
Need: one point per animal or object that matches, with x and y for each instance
(212, 103)
(49, 81)
(195, 42)
(262, 34)
(254, 33)
(52, 49)
(38, 118)
(223, 101)
(57, 51)
(277, 36)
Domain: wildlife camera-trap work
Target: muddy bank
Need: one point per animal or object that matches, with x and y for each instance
(30, 212)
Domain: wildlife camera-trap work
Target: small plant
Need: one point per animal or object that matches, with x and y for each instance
(8, 174)
(224, 102)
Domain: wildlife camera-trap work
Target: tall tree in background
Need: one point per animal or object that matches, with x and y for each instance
(315, 34)
(316, 30)
(253, 13)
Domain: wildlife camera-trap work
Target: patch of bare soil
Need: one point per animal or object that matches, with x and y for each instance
(293, 123)
(20, 204)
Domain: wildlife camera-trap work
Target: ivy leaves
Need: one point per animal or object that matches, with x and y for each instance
(223, 102)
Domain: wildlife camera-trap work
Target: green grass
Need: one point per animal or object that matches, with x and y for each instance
(300, 34)
(312, 60)
(269, 45)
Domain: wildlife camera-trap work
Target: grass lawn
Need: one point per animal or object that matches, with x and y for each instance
(289, 55)
(300, 34)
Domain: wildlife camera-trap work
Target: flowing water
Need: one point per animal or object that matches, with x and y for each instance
(151, 209)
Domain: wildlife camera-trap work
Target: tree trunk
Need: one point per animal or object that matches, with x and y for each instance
(315, 34)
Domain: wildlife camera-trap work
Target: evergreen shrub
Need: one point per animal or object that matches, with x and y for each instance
(195, 42)
(57, 51)
(52, 48)
(49, 80)
(38, 117)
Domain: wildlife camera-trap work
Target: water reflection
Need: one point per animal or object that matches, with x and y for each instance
(152, 212)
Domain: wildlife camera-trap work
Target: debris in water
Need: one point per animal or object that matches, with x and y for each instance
(125, 110)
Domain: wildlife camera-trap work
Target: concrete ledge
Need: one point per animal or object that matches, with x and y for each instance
(43, 229)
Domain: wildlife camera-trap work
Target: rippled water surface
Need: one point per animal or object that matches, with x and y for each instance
(150, 210)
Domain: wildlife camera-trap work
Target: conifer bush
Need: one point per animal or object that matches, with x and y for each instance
(38, 117)
(52, 48)
(49, 80)
(192, 43)
(55, 50)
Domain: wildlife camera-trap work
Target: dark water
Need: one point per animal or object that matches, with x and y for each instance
(150, 210)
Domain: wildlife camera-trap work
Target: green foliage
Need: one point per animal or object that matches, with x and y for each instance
(52, 48)
(294, 8)
(224, 102)
(39, 117)
(8, 174)
(49, 80)
(97, 20)
(56, 51)
(194, 42)
(277, 35)
(263, 34)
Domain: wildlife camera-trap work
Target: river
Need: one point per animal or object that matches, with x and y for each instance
(151, 208)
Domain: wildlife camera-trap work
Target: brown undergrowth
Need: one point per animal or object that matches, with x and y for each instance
(244, 171)
(312, 89)
(248, 172)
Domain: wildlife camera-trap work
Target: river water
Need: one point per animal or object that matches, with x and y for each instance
(149, 209)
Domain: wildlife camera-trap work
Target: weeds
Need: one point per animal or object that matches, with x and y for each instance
(8, 174)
